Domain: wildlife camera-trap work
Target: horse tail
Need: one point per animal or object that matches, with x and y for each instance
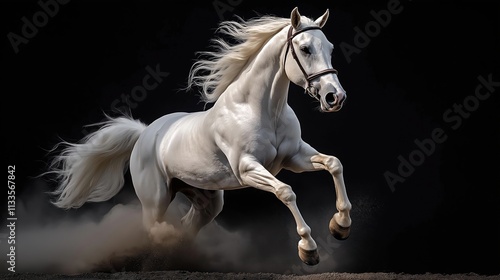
(93, 169)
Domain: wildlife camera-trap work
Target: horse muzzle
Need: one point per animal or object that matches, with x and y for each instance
(332, 102)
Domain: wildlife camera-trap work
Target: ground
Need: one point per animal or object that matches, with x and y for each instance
(180, 275)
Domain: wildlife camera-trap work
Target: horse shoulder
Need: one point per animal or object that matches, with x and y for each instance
(288, 127)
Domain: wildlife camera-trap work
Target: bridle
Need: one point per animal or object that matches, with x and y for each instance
(312, 91)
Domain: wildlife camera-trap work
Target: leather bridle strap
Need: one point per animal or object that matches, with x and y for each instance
(309, 78)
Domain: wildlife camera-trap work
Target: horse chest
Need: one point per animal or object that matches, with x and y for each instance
(255, 134)
(270, 149)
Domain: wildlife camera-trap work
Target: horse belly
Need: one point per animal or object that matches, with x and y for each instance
(201, 171)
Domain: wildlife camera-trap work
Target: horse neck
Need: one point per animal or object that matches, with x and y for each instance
(264, 84)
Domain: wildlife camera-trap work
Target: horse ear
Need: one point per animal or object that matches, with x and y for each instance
(295, 18)
(322, 19)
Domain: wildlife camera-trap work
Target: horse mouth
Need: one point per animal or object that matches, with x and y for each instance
(327, 108)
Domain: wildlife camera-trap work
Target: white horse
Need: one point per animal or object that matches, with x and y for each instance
(247, 136)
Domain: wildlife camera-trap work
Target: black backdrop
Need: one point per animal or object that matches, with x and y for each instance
(404, 81)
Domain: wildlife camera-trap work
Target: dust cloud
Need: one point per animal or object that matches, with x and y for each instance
(109, 238)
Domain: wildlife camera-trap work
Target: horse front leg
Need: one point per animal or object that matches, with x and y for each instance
(308, 159)
(252, 173)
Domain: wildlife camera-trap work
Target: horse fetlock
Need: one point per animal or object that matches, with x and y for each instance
(344, 206)
(304, 231)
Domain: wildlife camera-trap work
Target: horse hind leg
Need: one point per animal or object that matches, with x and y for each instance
(160, 232)
(205, 206)
(155, 197)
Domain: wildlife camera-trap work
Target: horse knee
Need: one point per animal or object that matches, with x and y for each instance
(286, 194)
(334, 165)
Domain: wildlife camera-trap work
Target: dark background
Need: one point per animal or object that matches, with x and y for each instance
(443, 218)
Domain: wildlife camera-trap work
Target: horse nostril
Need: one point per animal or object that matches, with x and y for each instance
(331, 98)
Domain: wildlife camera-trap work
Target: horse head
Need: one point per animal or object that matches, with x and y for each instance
(311, 66)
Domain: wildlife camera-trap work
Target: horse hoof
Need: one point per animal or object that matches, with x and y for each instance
(338, 231)
(309, 257)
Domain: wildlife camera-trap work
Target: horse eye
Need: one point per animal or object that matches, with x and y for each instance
(305, 49)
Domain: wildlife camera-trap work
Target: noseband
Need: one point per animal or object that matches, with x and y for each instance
(312, 91)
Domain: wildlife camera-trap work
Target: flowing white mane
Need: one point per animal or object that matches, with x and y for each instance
(216, 70)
